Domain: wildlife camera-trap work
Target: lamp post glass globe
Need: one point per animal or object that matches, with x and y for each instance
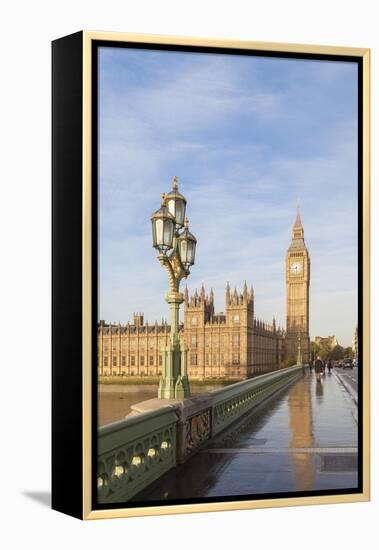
(176, 204)
(187, 247)
(163, 226)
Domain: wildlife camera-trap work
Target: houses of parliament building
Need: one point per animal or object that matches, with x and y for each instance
(232, 344)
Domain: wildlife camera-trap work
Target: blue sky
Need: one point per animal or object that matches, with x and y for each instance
(248, 137)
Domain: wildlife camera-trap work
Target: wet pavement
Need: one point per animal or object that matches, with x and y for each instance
(350, 376)
(303, 439)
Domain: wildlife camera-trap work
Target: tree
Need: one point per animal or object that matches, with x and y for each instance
(288, 363)
(349, 352)
(325, 349)
(337, 353)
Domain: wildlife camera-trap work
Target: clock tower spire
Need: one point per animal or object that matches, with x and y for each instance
(298, 271)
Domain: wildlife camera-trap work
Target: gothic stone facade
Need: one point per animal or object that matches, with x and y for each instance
(234, 344)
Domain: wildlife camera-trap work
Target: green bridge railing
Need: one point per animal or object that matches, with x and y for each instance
(136, 451)
(230, 403)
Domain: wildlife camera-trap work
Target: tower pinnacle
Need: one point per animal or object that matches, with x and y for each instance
(297, 229)
(227, 294)
(244, 293)
(298, 218)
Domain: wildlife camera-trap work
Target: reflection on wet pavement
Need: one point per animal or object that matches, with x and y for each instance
(304, 439)
(300, 422)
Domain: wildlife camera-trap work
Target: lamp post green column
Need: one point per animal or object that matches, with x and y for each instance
(174, 381)
(299, 358)
(176, 248)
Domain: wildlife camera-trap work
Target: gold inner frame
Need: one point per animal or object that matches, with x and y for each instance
(364, 54)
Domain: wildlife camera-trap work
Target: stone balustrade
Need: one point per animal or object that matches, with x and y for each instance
(230, 403)
(134, 452)
(160, 434)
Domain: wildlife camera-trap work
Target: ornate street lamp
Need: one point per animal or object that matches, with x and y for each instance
(177, 255)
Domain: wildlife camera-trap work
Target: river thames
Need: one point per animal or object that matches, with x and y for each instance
(115, 400)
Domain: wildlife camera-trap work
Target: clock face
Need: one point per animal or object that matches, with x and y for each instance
(296, 268)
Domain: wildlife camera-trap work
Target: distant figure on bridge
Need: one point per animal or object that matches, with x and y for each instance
(319, 368)
(329, 365)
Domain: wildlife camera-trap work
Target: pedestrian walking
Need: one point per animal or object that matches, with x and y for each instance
(318, 368)
(330, 366)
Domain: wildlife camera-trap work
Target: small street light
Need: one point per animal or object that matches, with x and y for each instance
(187, 247)
(163, 225)
(176, 204)
(299, 358)
(177, 255)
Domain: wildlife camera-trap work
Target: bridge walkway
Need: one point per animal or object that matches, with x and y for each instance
(303, 439)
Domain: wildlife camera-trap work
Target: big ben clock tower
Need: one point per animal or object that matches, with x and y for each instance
(298, 273)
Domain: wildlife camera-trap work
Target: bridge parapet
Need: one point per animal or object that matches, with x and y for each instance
(230, 403)
(134, 452)
(159, 434)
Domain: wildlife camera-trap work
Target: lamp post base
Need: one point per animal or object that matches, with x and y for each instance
(169, 388)
(173, 384)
